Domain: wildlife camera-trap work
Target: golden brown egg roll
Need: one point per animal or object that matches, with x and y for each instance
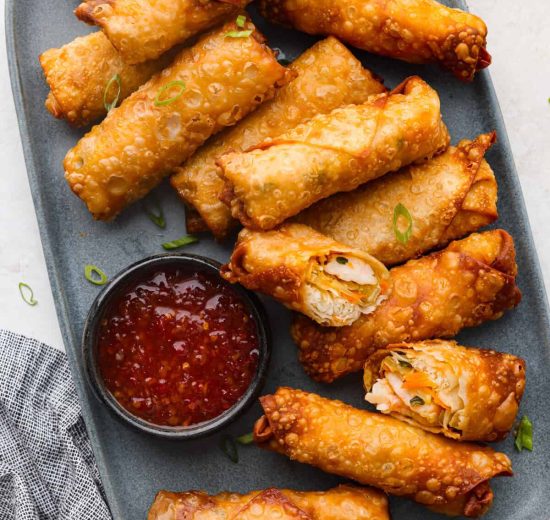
(327, 76)
(208, 87)
(448, 197)
(471, 281)
(374, 449)
(308, 272)
(417, 31)
(332, 153)
(340, 503)
(142, 30)
(464, 393)
(80, 72)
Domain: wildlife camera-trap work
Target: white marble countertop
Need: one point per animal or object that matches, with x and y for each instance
(519, 40)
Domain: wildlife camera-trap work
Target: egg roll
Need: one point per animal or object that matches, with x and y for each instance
(417, 31)
(331, 283)
(340, 503)
(332, 153)
(374, 449)
(448, 197)
(80, 76)
(208, 87)
(471, 281)
(142, 30)
(327, 76)
(467, 394)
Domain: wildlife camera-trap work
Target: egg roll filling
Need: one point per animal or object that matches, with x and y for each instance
(420, 386)
(342, 286)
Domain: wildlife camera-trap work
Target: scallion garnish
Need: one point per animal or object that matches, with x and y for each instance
(247, 438)
(342, 260)
(402, 211)
(95, 275)
(228, 446)
(404, 364)
(27, 294)
(113, 104)
(180, 242)
(240, 21)
(155, 213)
(416, 401)
(239, 34)
(163, 102)
(524, 435)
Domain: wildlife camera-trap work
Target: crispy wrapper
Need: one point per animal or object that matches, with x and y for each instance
(142, 30)
(78, 74)
(340, 503)
(448, 197)
(464, 393)
(378, 450)
(471, 281)
(208, 87)
(308, 272)
(327, 76)
(333, 152)
(417, 31)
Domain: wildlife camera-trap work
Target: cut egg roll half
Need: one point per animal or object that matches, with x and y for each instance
(308, 272)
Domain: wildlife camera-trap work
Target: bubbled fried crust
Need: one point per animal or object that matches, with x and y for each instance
(340, 503)
(140, 142)
(418, 31)
(464, 285)
(448, 197)
(375, 449)
(491, 386)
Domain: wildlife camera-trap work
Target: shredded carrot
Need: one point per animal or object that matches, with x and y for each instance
(417, 380)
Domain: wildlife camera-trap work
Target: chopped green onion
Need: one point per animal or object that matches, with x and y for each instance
(239, 34)
(524, 435)
(163, 102)
(404, 364)
(342, 260)
(228, 446)
(402, 211)
(416, 401)
(27, 294)
(155, 214)
(95, 275)
(113, 104)
(180, 242)
(245, 439)
(240, 21)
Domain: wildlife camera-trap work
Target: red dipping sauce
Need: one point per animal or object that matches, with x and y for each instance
(178, 348)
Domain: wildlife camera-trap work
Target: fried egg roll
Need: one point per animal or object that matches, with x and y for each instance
(448, 197)
(471, 281)
(142, 30)
(417, 31)
(208, 87)
(374, 449)
(340, 503)
(327, 76)
(81, 76)
(331, 283)
(464, 393)
(332, 153)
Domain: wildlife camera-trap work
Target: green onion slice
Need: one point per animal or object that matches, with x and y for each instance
(113, 104)
(416, 401)
(342, 260)
(155, 213)
(402, 211)
(247, 438)
(95, 275)
(524, 435)
(404, 364)
(27, 294)
(180, 242)
(240, 21)
(228, 446)
(173, 84)
(239, 34)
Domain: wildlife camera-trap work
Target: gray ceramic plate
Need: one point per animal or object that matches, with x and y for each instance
(134, 466)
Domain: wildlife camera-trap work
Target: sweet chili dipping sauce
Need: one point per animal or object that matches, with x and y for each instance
(178, 348)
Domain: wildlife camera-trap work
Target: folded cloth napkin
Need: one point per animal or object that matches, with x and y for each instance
(47, 469)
